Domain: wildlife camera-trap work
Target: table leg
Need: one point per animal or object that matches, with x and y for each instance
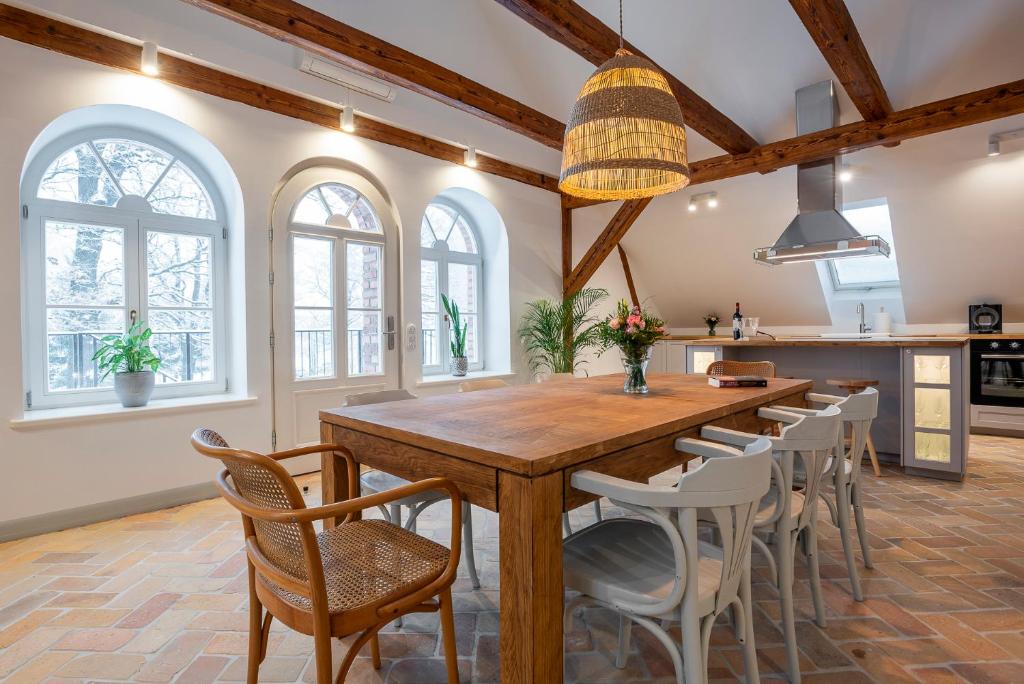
(529, 513)
(333, 473)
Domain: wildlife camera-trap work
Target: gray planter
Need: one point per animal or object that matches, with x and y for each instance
(134, 389)
(460, 366)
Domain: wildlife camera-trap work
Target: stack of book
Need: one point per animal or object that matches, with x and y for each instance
(737, 381)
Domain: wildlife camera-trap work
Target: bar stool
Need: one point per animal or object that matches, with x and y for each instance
(853, 386)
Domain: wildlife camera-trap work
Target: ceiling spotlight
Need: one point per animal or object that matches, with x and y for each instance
(708, 199)
(712, 203)
(996, 139)
(845, 175)
(692, 206)
(149, 59)
(348, 118)
(469, 157)
(993, 146)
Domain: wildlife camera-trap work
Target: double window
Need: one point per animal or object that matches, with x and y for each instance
(120, 229)
(336, 239)
(450, 264)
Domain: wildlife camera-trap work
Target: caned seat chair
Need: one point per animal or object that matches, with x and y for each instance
(657, 568)
(375, 481)
(857, 411)
(788, 519)
(482, 384)
(764, 369)
(353, 578)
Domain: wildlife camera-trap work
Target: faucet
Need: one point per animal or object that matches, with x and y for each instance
(863, 326)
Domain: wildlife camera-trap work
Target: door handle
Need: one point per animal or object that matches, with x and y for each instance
(390, 332)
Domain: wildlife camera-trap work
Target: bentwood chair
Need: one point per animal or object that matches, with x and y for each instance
(353, 578)
(482, 384)
(657, 568)
(788, 518)
(858, 411)
(376, 481)
(764, 369)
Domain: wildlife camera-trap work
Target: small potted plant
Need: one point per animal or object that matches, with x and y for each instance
(634, 332)
(459, 361)
(711, 320)
(132, 362)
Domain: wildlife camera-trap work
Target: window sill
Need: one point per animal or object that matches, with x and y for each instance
(447, 379)
(78, 415)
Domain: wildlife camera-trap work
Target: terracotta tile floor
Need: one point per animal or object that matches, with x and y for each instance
(161, 597)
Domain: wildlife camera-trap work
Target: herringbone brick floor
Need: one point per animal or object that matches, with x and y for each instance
(161, 597)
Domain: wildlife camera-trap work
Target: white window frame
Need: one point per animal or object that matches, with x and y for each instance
(340, 238)
(444, 256)
(862, 287)
(136, 221)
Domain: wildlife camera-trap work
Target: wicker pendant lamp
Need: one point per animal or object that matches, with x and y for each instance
(625, 137)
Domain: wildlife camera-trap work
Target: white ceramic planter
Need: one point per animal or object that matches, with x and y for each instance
(134, 389)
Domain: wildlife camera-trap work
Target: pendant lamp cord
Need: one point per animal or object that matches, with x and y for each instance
(620, 24)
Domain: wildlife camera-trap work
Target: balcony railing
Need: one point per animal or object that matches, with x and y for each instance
(314, 353)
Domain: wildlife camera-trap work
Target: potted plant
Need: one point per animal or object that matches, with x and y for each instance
(634, 332)
(132, 362)
(555, 335)
(459, 361)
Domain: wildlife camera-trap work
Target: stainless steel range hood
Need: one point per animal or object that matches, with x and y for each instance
(819, 232)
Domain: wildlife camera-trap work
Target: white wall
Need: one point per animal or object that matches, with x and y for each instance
(55, 468)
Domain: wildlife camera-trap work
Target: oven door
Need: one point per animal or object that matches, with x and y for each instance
(997, 378)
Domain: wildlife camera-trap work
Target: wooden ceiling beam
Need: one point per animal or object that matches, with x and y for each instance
(75, 41)
(580, 31)
(968, 109)
(319, 33)
(629, 276)
(832, 28)
(609, 238)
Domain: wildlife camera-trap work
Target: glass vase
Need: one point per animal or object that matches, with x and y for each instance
(635, 361)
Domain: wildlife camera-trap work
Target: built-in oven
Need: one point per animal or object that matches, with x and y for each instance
(997, 372)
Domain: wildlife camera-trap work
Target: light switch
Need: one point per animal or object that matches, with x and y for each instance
(410, 338)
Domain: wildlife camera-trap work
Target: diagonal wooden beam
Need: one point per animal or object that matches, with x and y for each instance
(935, 117)
(623, 220)
(580, 31)
(832, 28)
(310, 30)
(75, 41)
(629, 275)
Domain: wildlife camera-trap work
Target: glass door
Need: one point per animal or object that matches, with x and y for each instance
(934, 405)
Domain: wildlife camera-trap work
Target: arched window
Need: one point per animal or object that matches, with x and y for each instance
(450, 264)
(333, 223)
(120, 226)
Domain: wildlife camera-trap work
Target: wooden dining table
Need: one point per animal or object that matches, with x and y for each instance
(513, 450)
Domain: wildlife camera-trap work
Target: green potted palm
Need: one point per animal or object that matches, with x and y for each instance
(555, 335)
(132, 362)
(459, 360)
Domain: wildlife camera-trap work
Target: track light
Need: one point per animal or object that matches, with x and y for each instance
(993, 146)
(845, 175)
(348, 118)
(708, 199)
(996, 139)
(469, 157)
(149, 64)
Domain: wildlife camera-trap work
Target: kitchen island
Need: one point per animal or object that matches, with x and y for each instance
(924, 403)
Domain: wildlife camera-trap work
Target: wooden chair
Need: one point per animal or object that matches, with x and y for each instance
(374, 481)
(857, 411)
(658, 568)
(853, 386)
(764, 369)
(482, 384)
(789, 518)
(352, 578)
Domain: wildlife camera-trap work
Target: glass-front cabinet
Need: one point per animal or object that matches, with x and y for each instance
(934, 415)
(698, 358)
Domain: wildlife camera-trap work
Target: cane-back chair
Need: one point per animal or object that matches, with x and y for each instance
(351, 578)
(763, 369)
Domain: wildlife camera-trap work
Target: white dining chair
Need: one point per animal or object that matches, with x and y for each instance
(858, 411)
(374, 481)
(657, 568)
(482, 384)
(788, 518)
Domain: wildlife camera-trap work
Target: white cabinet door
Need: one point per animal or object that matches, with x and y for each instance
(699, 357)
(934, 409)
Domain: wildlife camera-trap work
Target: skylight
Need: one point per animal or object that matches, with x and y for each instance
(869, 218)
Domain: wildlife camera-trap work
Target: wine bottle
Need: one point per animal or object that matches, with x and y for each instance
(737, 324)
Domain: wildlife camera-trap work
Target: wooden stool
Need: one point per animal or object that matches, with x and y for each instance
(853, 386)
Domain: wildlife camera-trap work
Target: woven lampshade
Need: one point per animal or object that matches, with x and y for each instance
(625, 137)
